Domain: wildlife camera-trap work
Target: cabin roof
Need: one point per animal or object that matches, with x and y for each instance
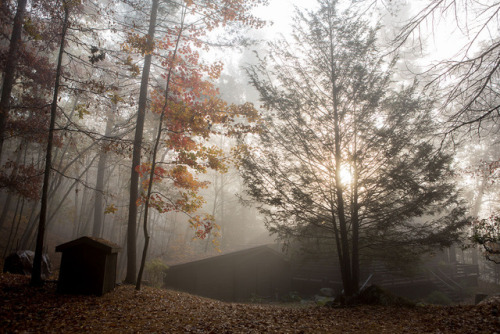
(248, 251)
(99, 243)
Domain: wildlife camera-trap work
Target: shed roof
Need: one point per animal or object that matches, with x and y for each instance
(249, 251)
(99, 243)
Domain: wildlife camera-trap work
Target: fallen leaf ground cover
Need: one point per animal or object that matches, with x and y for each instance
(25, 309)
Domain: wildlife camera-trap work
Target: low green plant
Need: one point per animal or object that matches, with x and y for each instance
(293, 296)
(375, 295)
(437, 298)
(255, 298)
(154, 272)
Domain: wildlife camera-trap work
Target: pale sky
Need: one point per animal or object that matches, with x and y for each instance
(441, 42)
(281, 12)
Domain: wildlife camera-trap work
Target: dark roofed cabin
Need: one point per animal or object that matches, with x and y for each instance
(88, 266)
(238, 276)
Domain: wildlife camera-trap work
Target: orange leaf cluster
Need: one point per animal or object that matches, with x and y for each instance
(191, 107)
(137, 43)
(203, 226)
(219, 13)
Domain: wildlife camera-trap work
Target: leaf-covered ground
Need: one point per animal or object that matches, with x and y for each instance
(41, 310)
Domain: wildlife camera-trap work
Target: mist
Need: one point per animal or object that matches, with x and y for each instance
(253, 152)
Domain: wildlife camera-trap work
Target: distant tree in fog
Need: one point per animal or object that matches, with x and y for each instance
(469, 81)
(36, 275)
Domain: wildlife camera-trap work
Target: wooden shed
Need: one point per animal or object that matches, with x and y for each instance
(88, 266)
(260, 272)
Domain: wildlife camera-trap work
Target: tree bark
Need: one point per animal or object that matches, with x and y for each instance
(36, 275)
(136, 154)
(475, 211)
(339, 191)
(355, 209)
(101, 169)
(8, 200)
(13, 224)
(56, 209)
(30, 226)
(10, 69)
(153, 165)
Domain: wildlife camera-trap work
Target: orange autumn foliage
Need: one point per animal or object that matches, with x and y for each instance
(191, 110)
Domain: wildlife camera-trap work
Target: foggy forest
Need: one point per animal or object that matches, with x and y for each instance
(250, 166)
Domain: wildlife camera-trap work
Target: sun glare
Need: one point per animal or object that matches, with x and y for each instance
(345, 175)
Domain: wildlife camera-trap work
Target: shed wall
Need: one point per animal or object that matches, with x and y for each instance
(234, 278)
(110, 273)
(82, 271)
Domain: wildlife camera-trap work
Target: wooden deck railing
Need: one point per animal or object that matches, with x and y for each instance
(451, 274)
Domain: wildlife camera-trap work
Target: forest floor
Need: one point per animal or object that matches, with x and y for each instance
(24, 309)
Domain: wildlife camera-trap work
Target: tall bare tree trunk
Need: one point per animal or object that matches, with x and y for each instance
(475, 211)
(9, 198)
(345, 259)
(36, 275)
(12, 226)
(153, 162)
(101, 169)
(136, 154)
(355, 217)
(10, 69)
(30, 226)
(339, 191)
(55, 209)
(77, 213)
